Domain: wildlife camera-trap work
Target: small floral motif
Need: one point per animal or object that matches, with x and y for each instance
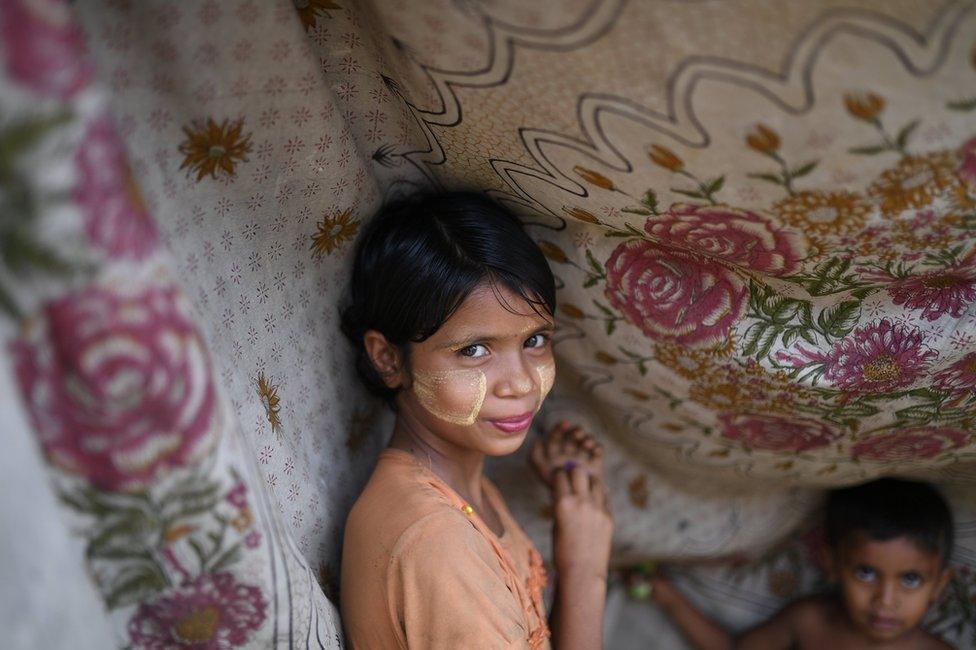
(310, 10)
(878, 358)
(763, 139)
(741, 237)
(211, 147)
(268, 393)
(673, 295)
(730, 387)
(947, 292)
(914, 443)
(332, 232)
(116, 219)
(118, 385)
(43, 47)
(664, 157)
(691, 363)
(777, 432)
(959, 377)
(914, 182)
(824, 213)
(213, 612)
(864, 106)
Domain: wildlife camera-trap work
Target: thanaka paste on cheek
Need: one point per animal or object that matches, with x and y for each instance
(547, 376)
(454, 396)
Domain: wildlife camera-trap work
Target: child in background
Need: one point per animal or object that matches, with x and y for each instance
(888, 543)
(451, 315)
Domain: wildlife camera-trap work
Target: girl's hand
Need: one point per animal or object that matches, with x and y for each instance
(566, 447)
(584, 526)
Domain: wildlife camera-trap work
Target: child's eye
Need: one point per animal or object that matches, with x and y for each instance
(473, 351)
(911, 580)
(536, 341)
(864, 573)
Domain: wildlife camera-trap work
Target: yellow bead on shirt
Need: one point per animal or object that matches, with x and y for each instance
(466, 509)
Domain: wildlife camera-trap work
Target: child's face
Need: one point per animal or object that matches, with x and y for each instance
(887, 586)
(478, 381)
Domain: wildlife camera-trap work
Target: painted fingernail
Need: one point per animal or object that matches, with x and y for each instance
(569, 465)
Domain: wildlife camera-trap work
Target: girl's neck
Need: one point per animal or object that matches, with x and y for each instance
(460, 468)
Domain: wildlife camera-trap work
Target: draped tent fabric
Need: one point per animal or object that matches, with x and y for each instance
(762, 219)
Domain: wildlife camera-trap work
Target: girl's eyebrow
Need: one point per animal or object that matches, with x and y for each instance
(485, 338)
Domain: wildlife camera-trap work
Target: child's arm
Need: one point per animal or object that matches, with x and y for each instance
(571, 464)
(581, 553)
(705, 634)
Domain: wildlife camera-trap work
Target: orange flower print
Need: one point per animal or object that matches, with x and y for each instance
(864, 106)
(332, 232)
(824, 213)
(638, 492)
(581, 214)
(268, 392)
(664, 157)
(763, 139)
(211, 148)
(594, 178)
(310, 10)
(914, 182)
(552, 251)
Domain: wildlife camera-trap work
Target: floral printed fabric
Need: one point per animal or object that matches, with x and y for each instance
(762, 228)
(159, 487)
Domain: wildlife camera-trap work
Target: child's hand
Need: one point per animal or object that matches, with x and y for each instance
(566, 447)
(584, 526)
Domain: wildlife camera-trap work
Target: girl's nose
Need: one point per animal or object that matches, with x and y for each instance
(517, 382)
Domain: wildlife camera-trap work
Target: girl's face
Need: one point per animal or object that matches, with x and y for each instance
(478, 381)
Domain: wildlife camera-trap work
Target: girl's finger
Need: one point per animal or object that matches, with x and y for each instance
(571, 441)
(560, 483)
(554, 441)
(580, 479)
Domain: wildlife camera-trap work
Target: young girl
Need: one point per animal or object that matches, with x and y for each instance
(451, 313)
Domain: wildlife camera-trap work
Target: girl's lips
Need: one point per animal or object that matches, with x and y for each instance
(514, 424)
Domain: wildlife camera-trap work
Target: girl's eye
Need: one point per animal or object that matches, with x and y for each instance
(911, 580)
(536, 341)
(473, 351)
(864, 573)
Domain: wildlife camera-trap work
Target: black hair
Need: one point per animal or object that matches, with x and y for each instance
(888, 508)
(419, 258)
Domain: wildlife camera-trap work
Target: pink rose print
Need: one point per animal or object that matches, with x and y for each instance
(937, 293)
(118, 386)
(876, 358)
(213, 612)
(776, 433)
(674, 295)
(742, 237)
(116, 220)
(960, 377)
(43, 48)
(910, 444)
(967, 170)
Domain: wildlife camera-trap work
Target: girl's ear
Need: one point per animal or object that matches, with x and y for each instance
(386, 358)
(944, 579)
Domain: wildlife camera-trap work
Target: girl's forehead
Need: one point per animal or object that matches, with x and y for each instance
(495, 312)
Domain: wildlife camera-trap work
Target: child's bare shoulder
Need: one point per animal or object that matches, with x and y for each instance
(931, 642)
(812, 610)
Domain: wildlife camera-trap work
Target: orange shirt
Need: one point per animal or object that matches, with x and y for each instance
(417, 572)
